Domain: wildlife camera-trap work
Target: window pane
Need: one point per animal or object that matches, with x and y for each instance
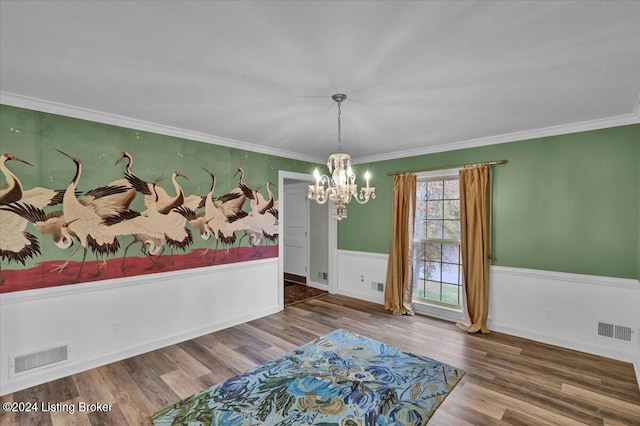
(435, 229)
(434, 190)
(434, 252)
(434, 209)
(451, 189)
(418, 287)
(418, 270)
(421, 190)
(433, 271)
(450, 273)
(451, 253)
(451, 209)
(450, 294)
(420, 230)
(432, 290)
(451, 230)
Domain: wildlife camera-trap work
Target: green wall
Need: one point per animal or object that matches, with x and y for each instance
(568, 203)
(98, 147)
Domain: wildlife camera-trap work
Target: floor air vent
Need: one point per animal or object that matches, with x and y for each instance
(615, 331)
(39, 360)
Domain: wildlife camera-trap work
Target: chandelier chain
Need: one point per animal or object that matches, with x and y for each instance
(339, 127)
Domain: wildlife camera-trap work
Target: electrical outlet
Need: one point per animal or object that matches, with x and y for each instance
(117, 327)
(548, 314)
(361, 278)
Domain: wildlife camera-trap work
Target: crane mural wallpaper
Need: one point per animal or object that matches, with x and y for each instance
(75, 207)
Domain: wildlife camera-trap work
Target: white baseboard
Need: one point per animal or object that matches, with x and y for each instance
(636, 367)
(564, 342)
(369, 298)
(319, 286)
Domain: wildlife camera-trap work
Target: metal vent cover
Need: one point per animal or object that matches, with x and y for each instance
(33, 361)
(615, 331)
(623, 333)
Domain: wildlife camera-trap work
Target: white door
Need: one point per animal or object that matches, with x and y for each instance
(296, 229)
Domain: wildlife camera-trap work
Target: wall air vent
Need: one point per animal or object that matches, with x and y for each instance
(623, 333)
(615, 331)
(605, 330)
(34, 361)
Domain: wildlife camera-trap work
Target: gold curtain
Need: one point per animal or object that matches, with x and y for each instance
(474, 223)
(399, 283)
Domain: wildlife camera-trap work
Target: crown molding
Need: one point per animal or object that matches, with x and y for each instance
(21, 101)
(51, 107)
(563, 129)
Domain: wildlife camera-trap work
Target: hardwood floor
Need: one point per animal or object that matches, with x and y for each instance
(508, 380)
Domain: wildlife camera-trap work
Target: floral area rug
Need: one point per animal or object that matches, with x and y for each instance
(338, 379)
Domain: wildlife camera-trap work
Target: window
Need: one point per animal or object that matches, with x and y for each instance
(437, 258)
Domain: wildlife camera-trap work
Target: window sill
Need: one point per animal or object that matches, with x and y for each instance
(438, 311)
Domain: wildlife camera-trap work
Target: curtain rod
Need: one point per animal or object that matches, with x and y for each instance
(486, 163)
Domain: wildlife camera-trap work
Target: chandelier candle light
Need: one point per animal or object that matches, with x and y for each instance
(341, 187)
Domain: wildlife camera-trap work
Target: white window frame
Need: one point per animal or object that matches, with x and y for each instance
(424, 306)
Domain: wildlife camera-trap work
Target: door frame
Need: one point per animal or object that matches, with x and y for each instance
(332, 237)
(306, 223)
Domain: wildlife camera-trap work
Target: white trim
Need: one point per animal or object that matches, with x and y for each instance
(569, 277)
(636, 367)
(361, 254)
(138, 280)
(563, 342)
(319, 286)
(51, 107)
(42, 105)
(54, 374)
(332, 242)
(446, 173)
(440, 312)
(563, 129)
(367, 297)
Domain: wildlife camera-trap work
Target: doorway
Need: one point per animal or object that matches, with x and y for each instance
(308, 243)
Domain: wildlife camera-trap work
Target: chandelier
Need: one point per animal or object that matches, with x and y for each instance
(341, 187)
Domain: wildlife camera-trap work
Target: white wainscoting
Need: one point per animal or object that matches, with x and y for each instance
(520, 299)
(357, 270)
(154, 310)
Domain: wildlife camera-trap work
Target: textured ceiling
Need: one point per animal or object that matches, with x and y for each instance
(417, 74)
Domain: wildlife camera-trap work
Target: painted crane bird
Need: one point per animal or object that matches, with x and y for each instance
(146, 229)
(17, 245)
(217, 218)
(86, 219)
